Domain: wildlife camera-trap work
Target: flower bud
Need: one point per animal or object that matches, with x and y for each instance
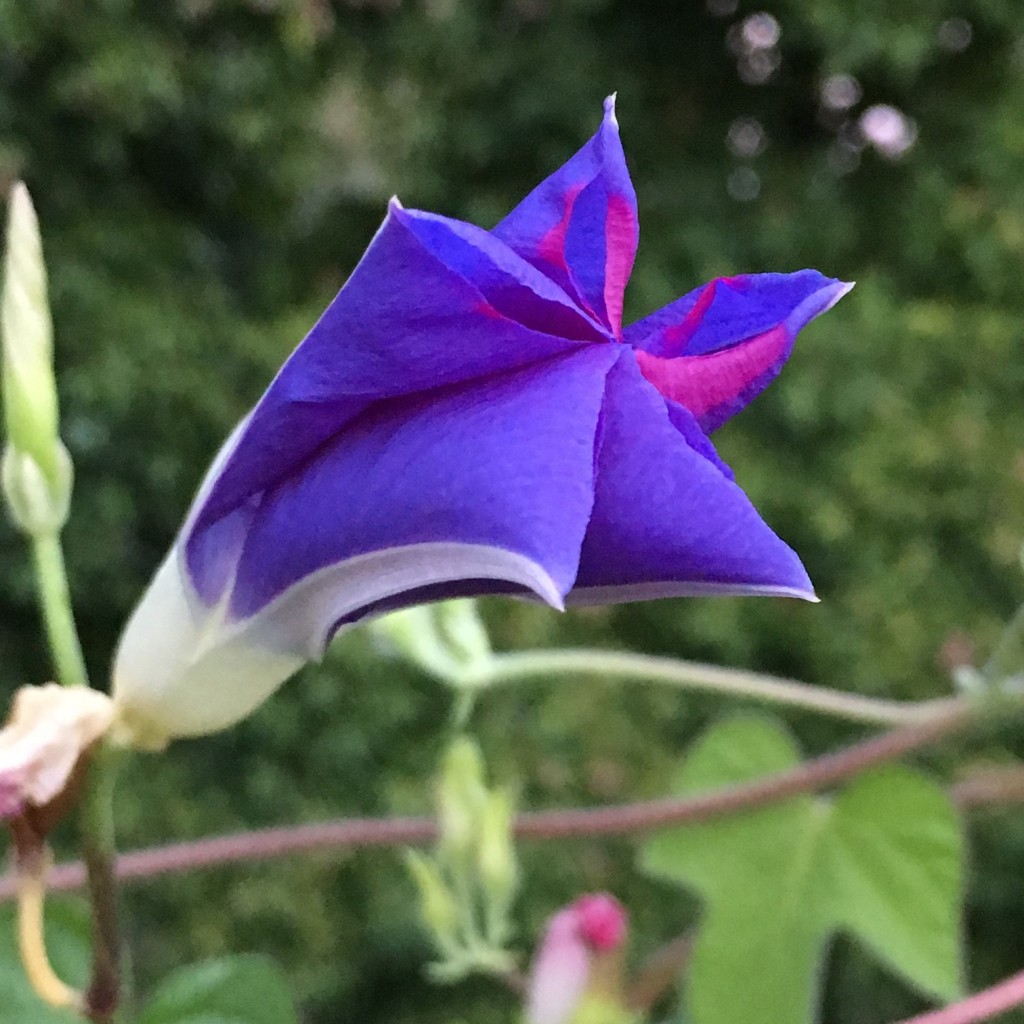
(443, 639)
(38, 503)
(496, 860)
(29, 388)
(576, 975)
(437, 905)
(461, 799)
(465, 631)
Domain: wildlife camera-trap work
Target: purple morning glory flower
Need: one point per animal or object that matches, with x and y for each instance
(470, 417)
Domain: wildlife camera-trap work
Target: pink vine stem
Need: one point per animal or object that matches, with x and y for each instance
(1006, 995)
(620, 819)
(354, 833)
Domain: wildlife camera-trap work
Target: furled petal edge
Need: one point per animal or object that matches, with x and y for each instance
(183, 670)
(653, 591)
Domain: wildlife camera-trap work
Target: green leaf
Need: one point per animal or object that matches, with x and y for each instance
(883, 861)
(232, 990)
(68, 944)
(897, 868)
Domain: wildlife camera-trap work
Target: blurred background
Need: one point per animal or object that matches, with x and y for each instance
(207, 172)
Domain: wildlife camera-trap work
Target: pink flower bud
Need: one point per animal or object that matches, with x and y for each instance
(576, 938)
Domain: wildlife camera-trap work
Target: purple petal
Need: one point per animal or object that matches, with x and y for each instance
(719, 347)
(409, 319)
(580, 225)
(682, 419)
(666, 520)
(512, 287)
(489, 480)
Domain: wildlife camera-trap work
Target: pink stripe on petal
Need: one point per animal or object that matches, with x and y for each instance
(486, 309)
(715, 385)
(677, 337)
(620, 230)
(737, 282)
(551, 247)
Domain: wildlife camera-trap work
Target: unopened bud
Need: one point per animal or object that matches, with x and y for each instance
(461, 798)
(443, 639)
(577, 974)
(465, 631)
(437, 905)
(29, 388)
(38, 502)
(496, 854)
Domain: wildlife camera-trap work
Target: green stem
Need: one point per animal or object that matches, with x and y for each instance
(517, 667)
(96, 820)
(55, 601)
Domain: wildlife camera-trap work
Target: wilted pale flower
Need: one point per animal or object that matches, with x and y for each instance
(49, 730)
(578, 962)
(469, 417)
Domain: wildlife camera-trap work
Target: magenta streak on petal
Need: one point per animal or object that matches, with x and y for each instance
(551, 250)
(551, 247)
(620, 229)
(737, 282)
(677, 337)
(486, 309)
(714, 386)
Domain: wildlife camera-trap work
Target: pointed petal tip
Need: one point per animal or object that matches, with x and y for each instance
(609, 110)
(21, 209)
(19, 193)
(818, 302)
(839, 289)
(395, 205)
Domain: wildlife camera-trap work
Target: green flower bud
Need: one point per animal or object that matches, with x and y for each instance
(496, 859)
(461, 624)
(38, 503)
(443, 639)
(437, 905)
(29, 388)
(413, 634)
(461, 799)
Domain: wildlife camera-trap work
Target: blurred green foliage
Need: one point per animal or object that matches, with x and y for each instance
(884, 862)
(207, 172)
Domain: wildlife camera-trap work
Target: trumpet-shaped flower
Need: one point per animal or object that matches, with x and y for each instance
(468, 417)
